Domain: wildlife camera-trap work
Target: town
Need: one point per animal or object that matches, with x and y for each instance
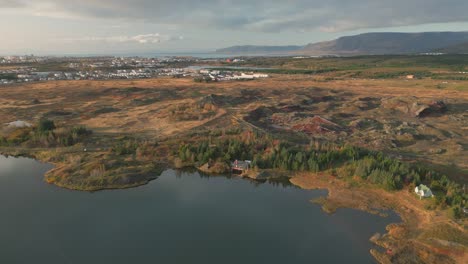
(23, 69)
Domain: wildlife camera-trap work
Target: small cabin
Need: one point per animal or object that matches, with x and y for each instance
(240, 167)
(423, 191)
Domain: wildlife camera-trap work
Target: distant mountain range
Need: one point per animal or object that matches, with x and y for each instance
(456, 49)
(369, 44)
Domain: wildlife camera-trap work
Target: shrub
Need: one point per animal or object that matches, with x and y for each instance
(19, 136)
(80, 131)
(46, 125)
(455, 212)
(125, 148)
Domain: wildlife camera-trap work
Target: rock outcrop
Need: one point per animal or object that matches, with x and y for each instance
(415, 107)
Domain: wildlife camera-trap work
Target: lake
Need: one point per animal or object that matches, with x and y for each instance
(182, 217)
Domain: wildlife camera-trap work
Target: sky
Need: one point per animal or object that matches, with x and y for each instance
(64, 27)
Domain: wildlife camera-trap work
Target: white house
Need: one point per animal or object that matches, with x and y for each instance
(423, 191)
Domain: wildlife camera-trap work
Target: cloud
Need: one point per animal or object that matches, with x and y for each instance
(10, 4)
(153, 38)
(259, 15)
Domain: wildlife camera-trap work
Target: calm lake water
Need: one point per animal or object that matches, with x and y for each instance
(178, 218)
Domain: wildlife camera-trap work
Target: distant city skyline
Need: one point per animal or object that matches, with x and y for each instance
(55, 27)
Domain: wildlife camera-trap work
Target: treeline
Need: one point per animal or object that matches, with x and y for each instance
(343, 161)
(400, 74)
(203, 79)
(453, 62)
(391, 74)
(451, 77)
(8, 76)
(45, 134)
(278, 71)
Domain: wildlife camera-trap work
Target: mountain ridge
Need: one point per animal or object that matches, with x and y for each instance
(373, 43)
(387, 43)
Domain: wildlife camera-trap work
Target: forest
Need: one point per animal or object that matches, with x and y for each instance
(340, 160)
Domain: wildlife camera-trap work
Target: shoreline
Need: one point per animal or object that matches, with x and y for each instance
(402, 240)
(399, 238)
(60, 166)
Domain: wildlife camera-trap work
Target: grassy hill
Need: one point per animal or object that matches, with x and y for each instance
(388, 43)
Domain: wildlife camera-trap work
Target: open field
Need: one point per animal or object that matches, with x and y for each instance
(375, 114)
(380, 63)
(443, 68)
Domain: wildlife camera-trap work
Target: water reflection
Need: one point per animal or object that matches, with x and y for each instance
(277, 181)
(181, 217)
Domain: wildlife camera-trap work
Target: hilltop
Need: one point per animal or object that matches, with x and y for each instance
(368, 44)
(388, 43)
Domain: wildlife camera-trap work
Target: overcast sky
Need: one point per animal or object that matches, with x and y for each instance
(132, 26)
